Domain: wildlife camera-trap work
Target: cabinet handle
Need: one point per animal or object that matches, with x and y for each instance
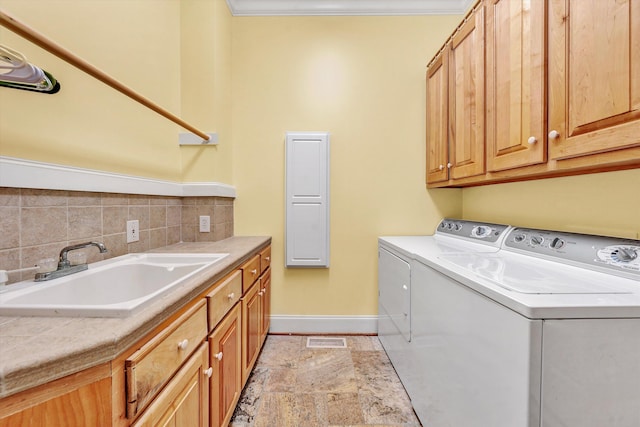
(260, 293)
(218, 356)
(532, 140)
(208, 372)
(554, 134)
(254, 271)
(182, 345)
(231, 295)
(449, 165)
(264, 290)
(441, 167)
(268, 258)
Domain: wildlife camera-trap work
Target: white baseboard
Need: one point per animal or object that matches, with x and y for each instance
(290, 324)
(21, 173)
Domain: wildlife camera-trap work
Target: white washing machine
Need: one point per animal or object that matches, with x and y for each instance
(544, 332)
(398, 258)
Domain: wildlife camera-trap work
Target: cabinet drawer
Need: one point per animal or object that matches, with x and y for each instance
(223, 298)
(265, 258)
(149, 369)
(250, 272)
(187, 391)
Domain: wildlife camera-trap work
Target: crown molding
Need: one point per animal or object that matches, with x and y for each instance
(347, 7)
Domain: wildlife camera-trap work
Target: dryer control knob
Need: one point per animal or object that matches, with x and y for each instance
(519, 237)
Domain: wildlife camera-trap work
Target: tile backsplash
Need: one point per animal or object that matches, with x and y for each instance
(37, 224)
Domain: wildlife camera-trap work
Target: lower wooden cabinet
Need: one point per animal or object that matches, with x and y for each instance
(188, 372)
(225, 344)
(79, 400)
(251, 328)
(266, 305)
(184, 402)
(256, 314)
(149, 368)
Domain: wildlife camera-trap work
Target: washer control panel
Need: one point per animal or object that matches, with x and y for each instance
(610, 253)
(478, 231)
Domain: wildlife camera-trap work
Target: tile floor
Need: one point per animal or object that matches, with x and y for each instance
(294, 386)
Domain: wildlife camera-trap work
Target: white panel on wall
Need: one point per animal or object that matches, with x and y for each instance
(307, 199)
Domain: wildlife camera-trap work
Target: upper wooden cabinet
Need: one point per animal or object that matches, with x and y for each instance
(515, 77)
(562, 92)
(455, 105)
(437, 119)
(466, 99)
(594, 76)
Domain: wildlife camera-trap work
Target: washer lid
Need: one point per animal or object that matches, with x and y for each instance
(529, 275)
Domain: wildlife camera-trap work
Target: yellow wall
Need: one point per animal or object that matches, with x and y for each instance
(206, 87)
(90, 125)
(362, 80)
(605, 203)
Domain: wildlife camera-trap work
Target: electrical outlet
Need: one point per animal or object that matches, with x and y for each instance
(133, 231)
(205, 224)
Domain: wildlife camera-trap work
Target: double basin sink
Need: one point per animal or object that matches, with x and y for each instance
(117, 287)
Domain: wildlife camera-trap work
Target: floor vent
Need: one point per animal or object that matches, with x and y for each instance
(324, 342)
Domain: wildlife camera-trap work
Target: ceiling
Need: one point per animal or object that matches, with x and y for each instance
(347, 7)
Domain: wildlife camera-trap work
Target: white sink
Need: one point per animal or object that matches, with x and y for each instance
(117, 287)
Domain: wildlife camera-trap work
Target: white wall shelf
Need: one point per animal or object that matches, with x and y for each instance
(20, 173)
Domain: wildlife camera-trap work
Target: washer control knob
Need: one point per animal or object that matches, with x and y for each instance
(458, 227)
(537, 240)
(557, 243)
(481, 231)
(624, 254)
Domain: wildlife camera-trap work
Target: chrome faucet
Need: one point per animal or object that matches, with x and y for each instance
(64, 266)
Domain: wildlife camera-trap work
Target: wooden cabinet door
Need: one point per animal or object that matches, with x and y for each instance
(437, 124)
(78, 400)
(251, 322)
(266, 305)
(466, 99)
(184, 402)
(594, 76)
(225, 343)
(515, 76)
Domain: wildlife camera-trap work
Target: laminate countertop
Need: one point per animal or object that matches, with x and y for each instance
(36, 350)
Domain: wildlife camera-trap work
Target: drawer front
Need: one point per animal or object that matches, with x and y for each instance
(265, 258)
(223, 298)
(187, 391)
(250, 272)
(149, 369)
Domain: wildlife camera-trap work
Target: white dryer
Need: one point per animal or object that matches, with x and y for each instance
(398, 259)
